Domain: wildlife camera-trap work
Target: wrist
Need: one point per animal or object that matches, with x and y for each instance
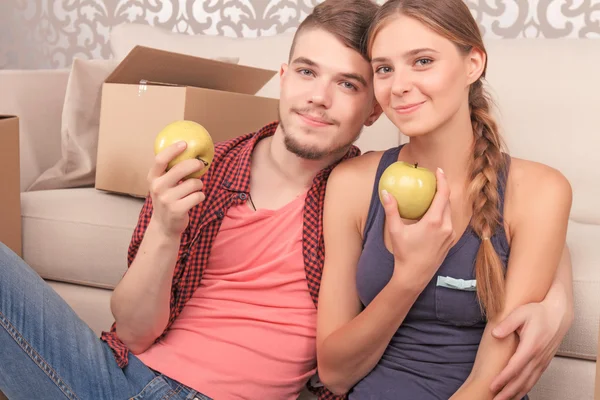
(161, 236)
(406, 282)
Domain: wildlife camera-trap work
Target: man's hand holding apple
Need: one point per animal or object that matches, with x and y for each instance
(140, 302)
(173, 193)
(420, 248)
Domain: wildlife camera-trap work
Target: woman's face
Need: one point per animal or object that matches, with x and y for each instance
(421, 79)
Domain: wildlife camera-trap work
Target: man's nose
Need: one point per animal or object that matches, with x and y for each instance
(321, 96)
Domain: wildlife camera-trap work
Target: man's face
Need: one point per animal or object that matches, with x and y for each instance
(326, 96)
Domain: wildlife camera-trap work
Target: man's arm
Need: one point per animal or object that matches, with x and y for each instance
(141, 301)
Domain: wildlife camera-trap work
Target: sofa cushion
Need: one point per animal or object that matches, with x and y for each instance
(582, 339)
(78, 235)
(79, 130)
(566, 379)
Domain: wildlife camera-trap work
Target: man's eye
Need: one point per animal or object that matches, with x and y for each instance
(306, 72)
(348, 85)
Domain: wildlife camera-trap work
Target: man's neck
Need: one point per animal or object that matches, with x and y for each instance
(294, 169)
(278, 175)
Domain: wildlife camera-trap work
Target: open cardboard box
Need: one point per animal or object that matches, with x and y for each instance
(10, 190)
(151, 88)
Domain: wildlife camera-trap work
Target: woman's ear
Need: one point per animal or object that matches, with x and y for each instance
(476, 62)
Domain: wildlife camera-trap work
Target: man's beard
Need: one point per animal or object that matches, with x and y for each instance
(312, 153)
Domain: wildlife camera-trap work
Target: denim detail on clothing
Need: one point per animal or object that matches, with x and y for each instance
(48, 352)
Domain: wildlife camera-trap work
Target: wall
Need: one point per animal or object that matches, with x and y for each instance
(49, 33)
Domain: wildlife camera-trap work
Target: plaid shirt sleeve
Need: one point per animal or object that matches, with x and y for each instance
(140, 230)
(323, 393)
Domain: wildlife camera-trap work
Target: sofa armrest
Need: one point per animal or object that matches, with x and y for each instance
(36, 97)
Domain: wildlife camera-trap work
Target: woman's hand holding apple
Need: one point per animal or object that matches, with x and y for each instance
(172, 194)
(420, 248)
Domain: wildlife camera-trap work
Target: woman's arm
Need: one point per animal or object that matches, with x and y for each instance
(541, 328)
(539, 199)
(561, 291)
(350, 342)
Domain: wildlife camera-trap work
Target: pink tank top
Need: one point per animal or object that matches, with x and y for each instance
(249, 330)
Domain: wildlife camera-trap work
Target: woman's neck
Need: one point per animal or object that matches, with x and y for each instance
(450, 148)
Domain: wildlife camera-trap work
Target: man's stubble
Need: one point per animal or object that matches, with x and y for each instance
(312, 152)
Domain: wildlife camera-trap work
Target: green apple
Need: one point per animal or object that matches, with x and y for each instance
(412, 186)
(199, 144)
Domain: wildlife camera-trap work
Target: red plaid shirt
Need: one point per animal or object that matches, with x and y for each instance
(227, 184)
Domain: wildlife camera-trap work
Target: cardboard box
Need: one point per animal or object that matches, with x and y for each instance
(10, 189)
(151, 88)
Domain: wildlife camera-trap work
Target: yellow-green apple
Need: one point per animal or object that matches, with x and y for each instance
(412, 186)
(199, 144)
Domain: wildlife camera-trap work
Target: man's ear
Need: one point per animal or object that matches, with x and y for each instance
(476, 62)
(282, 70)
(375, 114)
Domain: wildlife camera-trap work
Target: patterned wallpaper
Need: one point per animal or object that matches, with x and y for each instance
(49, 33)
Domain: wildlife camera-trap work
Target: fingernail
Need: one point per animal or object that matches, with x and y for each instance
(181, 144)
(385, 195)
(441, 170)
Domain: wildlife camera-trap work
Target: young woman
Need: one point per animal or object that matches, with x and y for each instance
(406, 308)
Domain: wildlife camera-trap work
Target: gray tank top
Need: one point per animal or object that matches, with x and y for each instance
(433, 351)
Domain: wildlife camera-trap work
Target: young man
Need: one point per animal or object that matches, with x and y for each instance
(220, 297)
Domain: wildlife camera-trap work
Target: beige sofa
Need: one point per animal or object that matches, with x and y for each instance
(547, 91)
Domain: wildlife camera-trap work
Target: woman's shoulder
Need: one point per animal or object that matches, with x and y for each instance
(528, 176)
(361, 167)
(350, 185)
(355, 174)
(532, 185)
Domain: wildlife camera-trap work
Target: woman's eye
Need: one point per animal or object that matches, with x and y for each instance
(423, 62)
(383, 70)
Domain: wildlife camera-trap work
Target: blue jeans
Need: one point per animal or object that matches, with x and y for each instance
(48, 352)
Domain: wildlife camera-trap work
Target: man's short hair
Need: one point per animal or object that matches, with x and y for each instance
(348, 20)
